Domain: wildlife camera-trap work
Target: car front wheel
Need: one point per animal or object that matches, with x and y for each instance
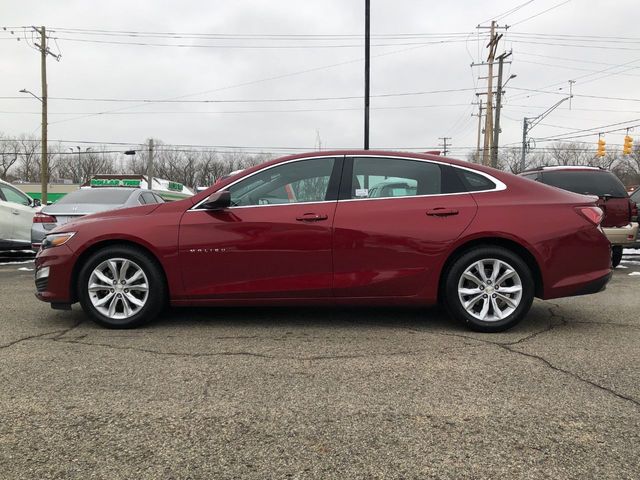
(489, 288)
(121, 287)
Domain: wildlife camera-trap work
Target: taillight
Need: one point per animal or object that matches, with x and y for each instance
(593, 214)
(633, 207)
(40, 217)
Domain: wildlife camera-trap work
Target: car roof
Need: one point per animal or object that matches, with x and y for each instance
(565, 167)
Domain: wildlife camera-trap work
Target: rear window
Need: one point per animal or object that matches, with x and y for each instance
(586, 182)
(96, 195)
(475, 182)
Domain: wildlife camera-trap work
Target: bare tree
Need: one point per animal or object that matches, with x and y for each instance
(28, 165)
(81, 166)
(9, 150)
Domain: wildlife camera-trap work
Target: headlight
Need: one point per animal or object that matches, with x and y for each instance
(56, 239)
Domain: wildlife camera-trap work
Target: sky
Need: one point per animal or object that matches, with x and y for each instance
(264, 76)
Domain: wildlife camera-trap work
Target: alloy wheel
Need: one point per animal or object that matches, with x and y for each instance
(118, 288)
(490, 290)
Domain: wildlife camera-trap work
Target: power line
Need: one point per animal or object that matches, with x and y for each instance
(541, 13)
(261, 100)
(399, 107)
(187, 45)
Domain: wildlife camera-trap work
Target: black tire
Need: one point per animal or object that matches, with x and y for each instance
(616, 255)
(157, 289)
(453, 276)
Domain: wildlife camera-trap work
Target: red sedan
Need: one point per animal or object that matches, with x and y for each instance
(344, 227)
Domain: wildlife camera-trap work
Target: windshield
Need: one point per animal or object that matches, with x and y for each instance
(100, 196)
(635, 196)
(586, 182)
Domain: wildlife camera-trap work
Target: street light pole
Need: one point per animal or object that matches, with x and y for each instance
(367, 41)
(44, 161)
(529, 123)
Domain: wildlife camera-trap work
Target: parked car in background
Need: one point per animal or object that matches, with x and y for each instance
(613, 198)
(86, 201)
(16, 213)
(635, 197)
(481, 241)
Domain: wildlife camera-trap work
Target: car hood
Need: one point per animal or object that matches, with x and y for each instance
(137, 211)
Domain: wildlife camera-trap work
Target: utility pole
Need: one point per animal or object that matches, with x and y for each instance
(479, 115)
(488, 125)
(525, 130)
(150, 166)
(44, 161)
(367, 41)
(444, 145)
(496, 128)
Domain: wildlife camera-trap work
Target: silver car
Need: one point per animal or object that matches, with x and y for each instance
(85, 202)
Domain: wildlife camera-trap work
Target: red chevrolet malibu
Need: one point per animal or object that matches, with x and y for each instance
(343, 227)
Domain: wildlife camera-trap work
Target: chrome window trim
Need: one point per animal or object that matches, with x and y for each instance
(499, 185)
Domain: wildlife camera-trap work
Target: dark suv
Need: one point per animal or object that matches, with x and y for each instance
(613, 199)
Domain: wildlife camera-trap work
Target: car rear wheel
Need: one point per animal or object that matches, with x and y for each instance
(616, 256)
(489, 288)
(121, 287)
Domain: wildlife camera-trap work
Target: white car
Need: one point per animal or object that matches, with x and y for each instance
(16, 215)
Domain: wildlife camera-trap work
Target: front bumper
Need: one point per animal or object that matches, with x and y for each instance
(53, 272)
(622, 235)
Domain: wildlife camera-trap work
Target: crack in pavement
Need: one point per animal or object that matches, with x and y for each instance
(58, 334)
(508, 346)
(250, 354)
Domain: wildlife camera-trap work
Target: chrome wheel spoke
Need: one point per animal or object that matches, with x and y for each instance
(471, 277)
(103, 300)
(495, 270)
(469, 291)
(472, 302)
(102, 277)
(485, 308)
(112, 306)
(509, 273)
(141, 287)
(122, 275)
(480, 268)
(507, 300)
(94, 287)
(125, 306)
(133, 300)
(113, 268)
(134, 278)
(514, 289)
(497, 311)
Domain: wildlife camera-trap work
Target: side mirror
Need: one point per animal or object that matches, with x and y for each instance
(217, 201)
(36, 203)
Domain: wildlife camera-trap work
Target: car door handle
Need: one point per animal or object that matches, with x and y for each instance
(311, 217)
(442, 212)
(15, 212)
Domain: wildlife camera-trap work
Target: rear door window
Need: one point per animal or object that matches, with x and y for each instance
(375, 177)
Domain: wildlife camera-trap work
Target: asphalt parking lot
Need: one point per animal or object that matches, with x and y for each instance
(321, 393)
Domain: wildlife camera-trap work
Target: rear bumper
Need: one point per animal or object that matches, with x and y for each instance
(622, 235)
(595, 286)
